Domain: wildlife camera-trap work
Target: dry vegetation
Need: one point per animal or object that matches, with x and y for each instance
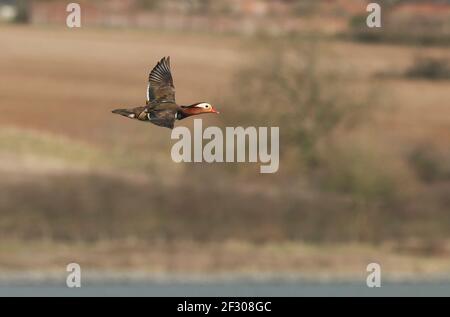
(232, 259)
(353, 166)
(430, 68)
(422, 28)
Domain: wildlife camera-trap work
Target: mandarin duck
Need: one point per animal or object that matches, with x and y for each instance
(161, 108)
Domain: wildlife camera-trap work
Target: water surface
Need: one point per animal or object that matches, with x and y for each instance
(229, 289)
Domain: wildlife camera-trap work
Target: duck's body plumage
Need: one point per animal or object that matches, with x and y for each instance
(161, 108)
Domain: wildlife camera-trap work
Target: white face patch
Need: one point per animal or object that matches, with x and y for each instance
(132, 115)
(204, 105)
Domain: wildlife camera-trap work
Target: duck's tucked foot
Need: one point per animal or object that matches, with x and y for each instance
(125, 113)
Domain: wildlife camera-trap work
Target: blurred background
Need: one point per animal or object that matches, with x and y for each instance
(364, 123)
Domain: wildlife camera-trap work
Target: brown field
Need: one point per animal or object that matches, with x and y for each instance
(67, 82)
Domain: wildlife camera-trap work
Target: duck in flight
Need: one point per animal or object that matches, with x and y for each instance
(161, 108)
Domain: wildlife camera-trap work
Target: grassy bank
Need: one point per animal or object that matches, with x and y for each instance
(227, 258)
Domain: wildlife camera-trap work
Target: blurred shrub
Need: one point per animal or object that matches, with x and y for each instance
(428, 165)
(305, 8)
(402, 28)
(149, 4)
(360, 32)
(429, 68)
(358, 172)
(23, 9)
(289, 87)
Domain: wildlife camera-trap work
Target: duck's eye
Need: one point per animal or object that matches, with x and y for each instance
(207, 106)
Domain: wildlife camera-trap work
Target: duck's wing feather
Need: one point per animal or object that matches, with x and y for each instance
(163, 118)
(160, 83)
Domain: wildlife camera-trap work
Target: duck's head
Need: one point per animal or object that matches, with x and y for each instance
(198, 108)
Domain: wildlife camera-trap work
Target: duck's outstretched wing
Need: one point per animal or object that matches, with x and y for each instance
(160, 83)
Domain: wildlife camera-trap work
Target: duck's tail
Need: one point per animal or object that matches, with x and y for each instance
(125, 112)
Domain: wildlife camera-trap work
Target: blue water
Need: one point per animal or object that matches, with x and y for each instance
(230, 289)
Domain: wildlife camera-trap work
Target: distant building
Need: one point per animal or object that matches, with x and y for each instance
(16, 11)
(8, 10)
